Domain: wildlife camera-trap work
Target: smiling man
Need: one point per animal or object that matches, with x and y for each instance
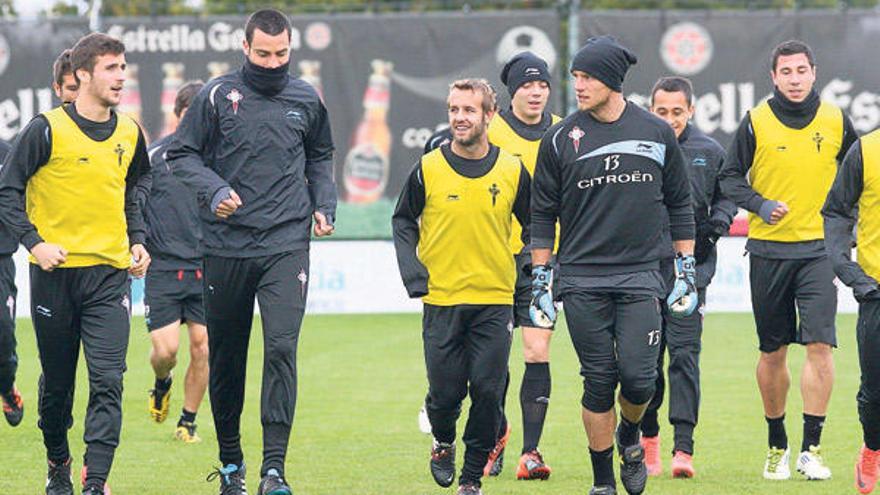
(452, 228)
(780, 168)
(255, 148)
(672, 100)
(69, 195)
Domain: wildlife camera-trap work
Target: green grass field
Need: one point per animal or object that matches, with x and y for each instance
(361, 385)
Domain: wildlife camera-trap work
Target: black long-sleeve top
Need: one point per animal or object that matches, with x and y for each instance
(612, 187)
(276, 152)
(8, 243)
(839, 213)
(713, 212)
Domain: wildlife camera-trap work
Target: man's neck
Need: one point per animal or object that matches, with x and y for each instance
(611, 110)
(525, 119)
(91, 108)
(475, 151)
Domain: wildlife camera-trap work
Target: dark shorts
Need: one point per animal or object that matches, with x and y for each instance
(171, 296)
(794, 301)
(617, 339)
(522, 295)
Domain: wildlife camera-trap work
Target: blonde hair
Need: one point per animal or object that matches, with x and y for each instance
(477, 85)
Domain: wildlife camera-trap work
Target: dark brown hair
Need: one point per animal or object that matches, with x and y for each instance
(61, 67)
(269, 21)
(86, 51)
(185, 96)
(674, 84)
(792, 47)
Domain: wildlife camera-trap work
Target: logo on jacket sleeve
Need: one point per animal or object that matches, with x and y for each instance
(575, 135)
(234, 96)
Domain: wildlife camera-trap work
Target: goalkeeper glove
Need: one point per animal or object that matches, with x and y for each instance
(683, 299)
(542, 308)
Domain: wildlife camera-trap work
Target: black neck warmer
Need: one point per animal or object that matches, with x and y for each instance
(267, 82)
(797, 109)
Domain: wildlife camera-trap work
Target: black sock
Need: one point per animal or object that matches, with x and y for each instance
(187, 417)
(812, 431)
(628, 433)
(650, 425)
(776, 433)
(534, 397)
(163, 384)
(603, 467)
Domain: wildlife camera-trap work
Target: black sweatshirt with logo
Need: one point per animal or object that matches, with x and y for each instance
(276, 152)
(612, 186)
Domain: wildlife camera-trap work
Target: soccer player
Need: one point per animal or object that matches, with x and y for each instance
(856, 189)
(173, 286)
(452, 228)
(255, 147)
(69, 195)
(63, 81)
(614, 176)
(13, 405)
(518, 131)
(672, 99)
(780, 167)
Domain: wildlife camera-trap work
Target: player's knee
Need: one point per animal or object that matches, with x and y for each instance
(774, 357)
(447, 397)
(597, 399)
(280, 348)
(109, 382)
(198, 352)
(638, 394)
(819, 351)
(536, 353)
(487, 388)
(638, 386)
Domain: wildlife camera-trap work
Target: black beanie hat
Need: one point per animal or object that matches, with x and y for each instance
(605, 59)
(522, 68)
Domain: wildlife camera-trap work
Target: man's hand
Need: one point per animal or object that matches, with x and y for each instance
(683, 299)
(322, 226)
(140, 261)
(49, 256)
(778, 213)
(228, 206)
(542, 308)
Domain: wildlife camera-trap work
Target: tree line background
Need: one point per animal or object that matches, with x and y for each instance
(120, 8)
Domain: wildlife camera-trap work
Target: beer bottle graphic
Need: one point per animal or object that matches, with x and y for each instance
(310, 72)
(130, 103)
(217, 69)
(170, 84)
(365, 173)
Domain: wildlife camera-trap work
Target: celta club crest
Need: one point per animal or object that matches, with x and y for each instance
(119, 150)
(817, 138)
(576, 134)
(234, 96)
(494, 191)
(303, 278)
